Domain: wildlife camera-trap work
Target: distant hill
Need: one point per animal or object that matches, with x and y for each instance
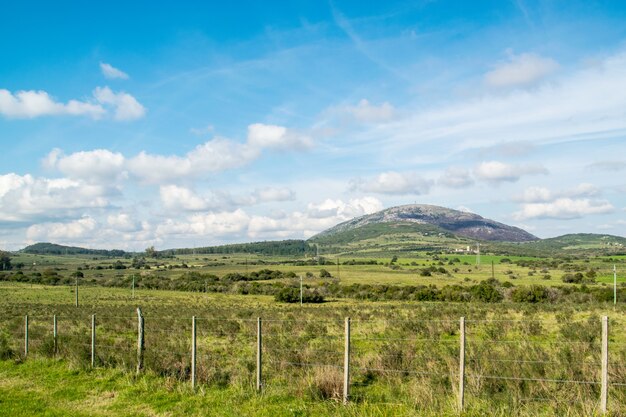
(425, 218)
(582, 242)
(272, 247)
(45, 248)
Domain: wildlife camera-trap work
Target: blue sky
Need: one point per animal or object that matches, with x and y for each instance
(182, 124)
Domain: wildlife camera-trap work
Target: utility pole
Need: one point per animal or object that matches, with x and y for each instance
(478, 254)
(133, 288)
(300, 290)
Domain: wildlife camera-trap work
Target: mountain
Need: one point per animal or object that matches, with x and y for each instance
(426, 219)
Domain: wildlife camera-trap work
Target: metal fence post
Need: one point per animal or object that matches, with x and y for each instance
(462, 364)
(259, 353)
(605, 364)
(346, 363)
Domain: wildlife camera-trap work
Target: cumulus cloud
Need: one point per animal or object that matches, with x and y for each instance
(394, 183)
(123, 222)
(563, 208)
(317, 217)
(543, 194)
(76, 229)
(99, 165)
(455, 177)
(125, 106)
(110, 72)
(31, 104)
(521, 71)
(207, 224)
(496, 172)
(239, 224)
(216, 155)
(279, 137)
(26, 198)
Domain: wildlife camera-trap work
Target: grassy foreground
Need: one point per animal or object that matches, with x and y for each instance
(46, 387)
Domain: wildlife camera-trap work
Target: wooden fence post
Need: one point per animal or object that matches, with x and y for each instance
(55, 335)
(193, 352)
(140, 340)
(462, 364)
(26, 335)
(605, 364)
(346, 363)
(259, 353)
(93, 340)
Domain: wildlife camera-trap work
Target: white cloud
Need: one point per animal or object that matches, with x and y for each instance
(521, 70)
(316, 218)
(216, 155)
(123, 222)
(268, 194)
(271, 136)
(99, 165)
(395, 183)
(125, 106)
(455, 177)
(366, 112)
(111, 72)
(563, 208)
(495, 171)
(25, 198)
(543, 194)
(175, 197)
(76, 229)
(30, 104)
(209, 224)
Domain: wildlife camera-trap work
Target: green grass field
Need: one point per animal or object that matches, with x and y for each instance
(523, 358)
(404, 356)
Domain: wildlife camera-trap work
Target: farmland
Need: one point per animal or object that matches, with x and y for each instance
(538, 356)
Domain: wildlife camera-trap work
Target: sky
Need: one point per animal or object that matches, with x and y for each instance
(175, 124)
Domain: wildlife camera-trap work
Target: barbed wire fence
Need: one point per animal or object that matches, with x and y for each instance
(340, 359)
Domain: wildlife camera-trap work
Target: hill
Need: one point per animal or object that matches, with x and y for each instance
(424, 218)
(45, 248)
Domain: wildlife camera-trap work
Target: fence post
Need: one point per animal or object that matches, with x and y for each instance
(55, 334)
(140, 340)
(346, 363)
(193, 352)
(26, 335)
(605, 364)
(462, 364)
(259, 353)
(93, 340)
(76, 292)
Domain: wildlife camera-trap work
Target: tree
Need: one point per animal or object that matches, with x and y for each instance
(324, 273)
(151, 252)
(5, 261)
